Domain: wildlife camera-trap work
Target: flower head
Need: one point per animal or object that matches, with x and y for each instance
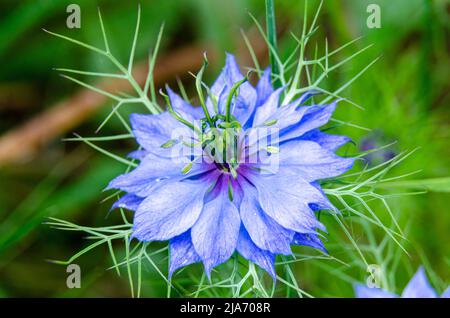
(418, 287)
(238, 173)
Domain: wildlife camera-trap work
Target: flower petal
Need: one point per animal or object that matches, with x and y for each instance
(362, 291)
(152, 131)
(268, 109)
(327, 141)
(245, 102)
(182, 252)
(419, 287)
(128, 201)
(315, 116)
(230, 74)
(215, 233)
(170, 210)
(154, 171)
(253, 253)
(311, 161)
(264, 87)
(307, 96)
(286, 198)
(263, 230)
(138, 154)
(309, 239)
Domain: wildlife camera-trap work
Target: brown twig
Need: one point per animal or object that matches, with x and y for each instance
(24, 142)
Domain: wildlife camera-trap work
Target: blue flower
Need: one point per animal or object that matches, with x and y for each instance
(244, 201)
(418, 287)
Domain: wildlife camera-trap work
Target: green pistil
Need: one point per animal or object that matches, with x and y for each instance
(223, 140)
(233, 91)
(234, 124)
(198, 85)
(175, 114)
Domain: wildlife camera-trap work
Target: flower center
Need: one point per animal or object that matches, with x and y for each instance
(221, 145)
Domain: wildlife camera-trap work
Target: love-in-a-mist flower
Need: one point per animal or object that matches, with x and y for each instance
(418, 287)
(237, 174)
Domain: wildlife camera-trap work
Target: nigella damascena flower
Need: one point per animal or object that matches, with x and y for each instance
(237, 174)
(418, 287)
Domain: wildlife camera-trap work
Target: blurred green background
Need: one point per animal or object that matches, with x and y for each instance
(406, 96)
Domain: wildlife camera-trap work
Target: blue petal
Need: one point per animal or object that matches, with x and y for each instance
(153, 131)
(419, 287)
(215, 233)
(267, 110)
(282, 117)
(311, 161)
(312, 240)
(362, 291)
(171, 210)
(263, 230)
(327, 141)
(288, 115)
(307, 96)
(286, 198)
(153, 172)
(230, 74)
(251, 252)
(264, 87)
(128, 201)
(325, 204)
(182, 252)
(244, 104)
(246, 100)
(138, 154)
(315, 116)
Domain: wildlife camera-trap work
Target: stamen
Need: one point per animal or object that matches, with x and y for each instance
(168, 144)
(230, 191)
(270, 122)
(187, 168)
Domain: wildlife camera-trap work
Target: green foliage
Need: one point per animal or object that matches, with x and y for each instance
(402, 95)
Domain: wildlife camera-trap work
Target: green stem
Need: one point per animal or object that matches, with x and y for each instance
(272, 38)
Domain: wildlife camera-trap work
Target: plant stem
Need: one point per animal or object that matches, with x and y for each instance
(272, 37)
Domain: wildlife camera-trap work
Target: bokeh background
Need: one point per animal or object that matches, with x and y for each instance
(406, 96)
